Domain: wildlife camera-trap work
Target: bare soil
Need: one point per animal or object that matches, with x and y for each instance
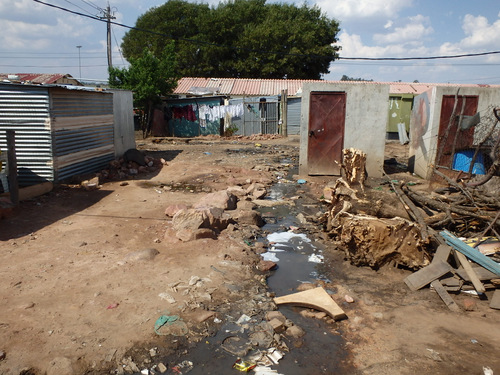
(80, 290)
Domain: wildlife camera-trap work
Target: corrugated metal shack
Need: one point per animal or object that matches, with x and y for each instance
(60, 132)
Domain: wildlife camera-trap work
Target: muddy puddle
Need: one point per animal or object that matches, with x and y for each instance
(300, 260)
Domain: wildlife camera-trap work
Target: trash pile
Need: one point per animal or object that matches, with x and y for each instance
(131, 164)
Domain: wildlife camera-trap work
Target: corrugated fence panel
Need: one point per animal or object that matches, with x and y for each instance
(86, 143)
(293, 116)
(74, 103)
(25, 109)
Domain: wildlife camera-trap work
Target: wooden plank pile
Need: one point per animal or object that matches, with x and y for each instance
(458, 267)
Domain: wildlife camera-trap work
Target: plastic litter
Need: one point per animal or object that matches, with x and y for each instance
(243, 366)
(263, 370)
(243, 319)
(270, 256)
(166, 320)
(182, 368)
(315, 258)
(301, 181)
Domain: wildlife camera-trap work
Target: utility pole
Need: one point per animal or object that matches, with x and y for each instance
(79, 62)
(108, 16)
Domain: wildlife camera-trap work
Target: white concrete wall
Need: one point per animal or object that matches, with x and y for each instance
(123, 111)
(424, 149)
(365, 121)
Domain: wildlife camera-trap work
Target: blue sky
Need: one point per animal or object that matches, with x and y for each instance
(36, 38)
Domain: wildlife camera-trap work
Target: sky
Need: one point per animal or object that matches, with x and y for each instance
(37, 38)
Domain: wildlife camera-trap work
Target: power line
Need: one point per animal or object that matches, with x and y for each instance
(269, 52)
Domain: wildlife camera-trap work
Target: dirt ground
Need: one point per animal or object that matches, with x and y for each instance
(81, 286)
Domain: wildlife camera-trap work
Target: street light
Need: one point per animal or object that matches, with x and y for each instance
(79, 62)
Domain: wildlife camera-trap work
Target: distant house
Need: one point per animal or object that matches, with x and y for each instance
(40, 78)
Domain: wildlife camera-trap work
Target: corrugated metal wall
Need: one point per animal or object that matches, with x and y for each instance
(293, 116)
(59, 132)
(83, 131)
(25, 109)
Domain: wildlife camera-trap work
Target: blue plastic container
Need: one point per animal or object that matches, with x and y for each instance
(462, 160)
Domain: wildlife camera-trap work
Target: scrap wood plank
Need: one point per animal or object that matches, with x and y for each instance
(316, 298)
(427, 275)
(482, 273)
(470, 252)
(452, 305)
(495, 300)
(442, 253)
(470, 272)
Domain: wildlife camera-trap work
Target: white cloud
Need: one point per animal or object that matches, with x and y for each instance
(388, 25)
(359, 9)
(417, 28)
(480, 34)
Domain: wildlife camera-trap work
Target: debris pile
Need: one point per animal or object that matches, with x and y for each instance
(452, 270)
(130, 165)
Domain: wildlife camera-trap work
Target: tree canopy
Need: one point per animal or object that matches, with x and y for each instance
(239, 38)
(347, 78)
(149, 77)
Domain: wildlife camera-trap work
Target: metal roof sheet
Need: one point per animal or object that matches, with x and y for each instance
(268, 87)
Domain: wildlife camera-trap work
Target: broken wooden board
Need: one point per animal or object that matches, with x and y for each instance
(316, 298)
(482, 273)
(470, 252)
(448, 301)
(442, 253)
(427, 275)
(470, 272)
(495, 300)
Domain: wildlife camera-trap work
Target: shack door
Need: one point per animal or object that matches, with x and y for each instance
(326, 132)
(451, 138)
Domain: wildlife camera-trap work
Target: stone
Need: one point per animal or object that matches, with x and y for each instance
(266, 265)
(60, 366)
(2, 355)
(469, 304)
(320, 315)
(189, 219)
(278, 325)
(221, 199)
(203, 315)
(270, 315)
(295, 332)
(348, 298)
(237, 191)
(162, 368)
(174, 208)
(245, 205)
(250, 218)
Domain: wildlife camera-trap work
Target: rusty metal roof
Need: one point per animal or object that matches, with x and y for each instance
(37, 78)
(265, 87)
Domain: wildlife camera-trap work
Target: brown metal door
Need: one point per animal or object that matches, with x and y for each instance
(464, 139)
(326, 132)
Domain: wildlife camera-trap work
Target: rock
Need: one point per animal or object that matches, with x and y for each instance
(92, 184)
(174, 208)
(270, 315)
(295, 332)
(301, 218)
(60, 366)
(189, 219)
(348, 299)
(245, 205)
(278, 326)
(167, 297)
(266, 265)
(221, 199)
(135, 156)
(27, 306)
(320, 315)
(469, 304)
(2, 355)
(237, 191)
(162, 368)
(250, 218)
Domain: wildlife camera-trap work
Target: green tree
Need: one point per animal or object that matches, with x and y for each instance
(347, 78)
(149, 77)
(240, 38)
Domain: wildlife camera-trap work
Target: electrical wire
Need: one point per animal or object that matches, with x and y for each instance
(269, 52)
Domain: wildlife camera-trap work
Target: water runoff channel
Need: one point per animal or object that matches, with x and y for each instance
(300, 260)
